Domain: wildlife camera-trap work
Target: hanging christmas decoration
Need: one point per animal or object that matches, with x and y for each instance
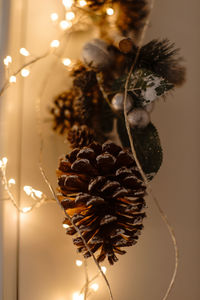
(100, 186)
(101, 183)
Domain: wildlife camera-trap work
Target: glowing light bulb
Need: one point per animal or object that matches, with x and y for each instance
(110, 11)
(11, 181)
(70, 15)
(65, 25)
(82, 3)
(65, 226)
(79, 263)
(66, 62)
(26, 209)
(28, 190)
(68, 3)
(55, 44)
(24, 52)
(4, 160)
(103, 269)
(94, 287)
(54, 17)
(25, 72)
(12, 79)
(77, 296)
(38, 194)
(7, 60)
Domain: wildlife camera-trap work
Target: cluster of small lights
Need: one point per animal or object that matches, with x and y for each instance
(54, 17)
(55, 44)
(64, 25)
(7, 60)
(25, 72)
(110, 11)
(66, 62)
(36, 195)
(78, 296)
(68, 3)
(82, 3)
(92, 286)
(24, 52)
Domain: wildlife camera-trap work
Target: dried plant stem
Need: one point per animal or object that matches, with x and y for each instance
(86, 280)
(149, 189)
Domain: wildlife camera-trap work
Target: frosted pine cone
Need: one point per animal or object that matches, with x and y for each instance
(80, 136)
(102, 191)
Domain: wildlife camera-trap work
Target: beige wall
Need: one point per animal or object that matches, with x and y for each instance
(47, 256)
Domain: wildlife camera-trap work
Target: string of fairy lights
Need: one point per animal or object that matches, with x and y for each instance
(37, 197)
(11, 78)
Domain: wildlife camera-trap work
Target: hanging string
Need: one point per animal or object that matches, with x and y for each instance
(149, 188)
(86, 280)
(33, 61)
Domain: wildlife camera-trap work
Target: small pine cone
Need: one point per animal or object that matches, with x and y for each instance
(131, 16)
(83, 109)
(80, 136)
(102, 191)
(83, 77)
(62, 111)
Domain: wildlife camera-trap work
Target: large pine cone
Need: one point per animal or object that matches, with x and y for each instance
(102, 191)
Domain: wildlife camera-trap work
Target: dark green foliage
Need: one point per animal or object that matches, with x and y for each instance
(162, 58)
(145, 85)
(147, 145)
(106, 117)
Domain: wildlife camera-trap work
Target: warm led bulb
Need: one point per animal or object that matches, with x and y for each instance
(25, 72)
(54, 16)
(4, 160)
(38, 194)
(82, 3)
(66, 62)
(79, 263)
(77, 296)
(24, 52)
(28, 190)
(7, 60)
(11, 181)
(70, 15)
(12, 79)
(65, 25)
(110, 11)
(94, 287)
(55, 44)
(103, 269)
(68, 3)
(65, 226)
(26, 209)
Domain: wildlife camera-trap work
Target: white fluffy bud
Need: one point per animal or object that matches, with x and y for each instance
(138, 118)
(96, 55)
(118, 102)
